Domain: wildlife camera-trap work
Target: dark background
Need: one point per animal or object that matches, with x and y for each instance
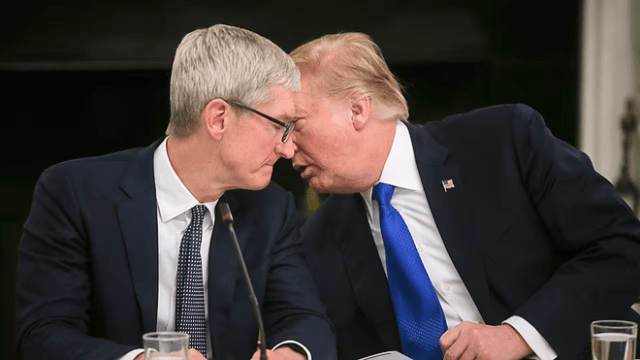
(84, 78)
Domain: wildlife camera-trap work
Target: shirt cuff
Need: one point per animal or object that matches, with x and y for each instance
(132, 354)
(532, 337)
(286, 342)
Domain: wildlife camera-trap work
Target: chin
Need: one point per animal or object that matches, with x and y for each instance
(320, 187)
(330, 188)
(259, 180)
(261, 183)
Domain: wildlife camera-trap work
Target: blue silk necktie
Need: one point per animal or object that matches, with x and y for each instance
(419, 315)
(190, 315)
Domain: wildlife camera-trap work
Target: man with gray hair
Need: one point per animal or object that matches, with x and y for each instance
(130, 243)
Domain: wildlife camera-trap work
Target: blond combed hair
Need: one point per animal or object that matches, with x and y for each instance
(348, 64)
(224, 62)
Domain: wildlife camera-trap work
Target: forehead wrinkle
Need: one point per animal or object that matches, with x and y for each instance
(302, 111)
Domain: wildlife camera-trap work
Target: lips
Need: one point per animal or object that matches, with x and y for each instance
(297, 166)
(303, 165)
(308, 172)
(303, 170)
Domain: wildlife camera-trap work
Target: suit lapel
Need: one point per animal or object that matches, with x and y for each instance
(138, 222)
(369, 282)
(223, 273)
(449, 209)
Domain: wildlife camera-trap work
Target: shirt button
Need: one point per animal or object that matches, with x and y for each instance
(446, 287)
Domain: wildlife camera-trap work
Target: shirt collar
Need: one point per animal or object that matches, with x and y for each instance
(172, 196)
(400, 169)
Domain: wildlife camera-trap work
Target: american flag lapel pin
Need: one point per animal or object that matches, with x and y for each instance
(447, 184)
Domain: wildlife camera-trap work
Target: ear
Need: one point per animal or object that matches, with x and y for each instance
(360, 110)
(215, 118)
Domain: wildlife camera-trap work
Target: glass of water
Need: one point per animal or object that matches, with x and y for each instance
(166, 345)
(613, 340)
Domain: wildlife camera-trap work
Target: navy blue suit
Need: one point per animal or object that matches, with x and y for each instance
(87, 281)
(531, 228)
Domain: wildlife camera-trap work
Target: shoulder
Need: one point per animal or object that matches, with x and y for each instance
(487, 117)
(484, 125)
(97, 168)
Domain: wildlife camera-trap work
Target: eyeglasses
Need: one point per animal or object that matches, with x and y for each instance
(288, 127)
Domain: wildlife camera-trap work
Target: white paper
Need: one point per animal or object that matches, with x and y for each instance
(387, 355)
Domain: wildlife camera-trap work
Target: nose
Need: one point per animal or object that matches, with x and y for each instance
(286, 150)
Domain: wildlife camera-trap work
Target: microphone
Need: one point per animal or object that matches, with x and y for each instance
(227, 218)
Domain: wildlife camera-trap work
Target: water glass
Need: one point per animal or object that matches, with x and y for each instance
(613, 340)
(166, 345)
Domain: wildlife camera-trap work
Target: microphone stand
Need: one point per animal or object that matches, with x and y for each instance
(227, 218)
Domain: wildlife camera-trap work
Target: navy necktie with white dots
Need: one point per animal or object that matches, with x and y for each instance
(419, 315)
(190, 316)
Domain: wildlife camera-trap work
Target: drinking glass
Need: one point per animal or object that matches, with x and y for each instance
(165, 345)
(613, 340)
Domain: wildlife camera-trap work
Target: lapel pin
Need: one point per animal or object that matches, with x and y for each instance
(447, 184)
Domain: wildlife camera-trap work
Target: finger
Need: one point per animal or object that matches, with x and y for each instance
(286, 352)
(468, 354)
(194, 354)
(449, 337)
(458, 350)
(256, 355)
(272, 355)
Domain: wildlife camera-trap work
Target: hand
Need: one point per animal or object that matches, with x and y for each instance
(469, 341)
(193, 354)
(281, 353)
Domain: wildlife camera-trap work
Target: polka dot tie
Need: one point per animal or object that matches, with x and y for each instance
(419, 315)
(190, 317)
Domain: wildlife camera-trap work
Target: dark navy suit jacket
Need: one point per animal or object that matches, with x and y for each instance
(87, 280)
(531, 228)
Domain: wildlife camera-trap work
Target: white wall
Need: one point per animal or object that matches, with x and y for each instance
(610, 75)
(635, 163)
(609, 64)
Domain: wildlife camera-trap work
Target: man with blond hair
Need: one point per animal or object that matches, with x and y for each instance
(130, 243)
(481, 236)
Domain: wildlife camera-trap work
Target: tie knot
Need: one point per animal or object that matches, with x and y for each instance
(198, 213)
(383, 193)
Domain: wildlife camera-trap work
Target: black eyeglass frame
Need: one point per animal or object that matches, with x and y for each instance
(288, 127)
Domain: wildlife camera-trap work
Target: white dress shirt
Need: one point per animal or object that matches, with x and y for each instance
(174, 215)
(410, 200)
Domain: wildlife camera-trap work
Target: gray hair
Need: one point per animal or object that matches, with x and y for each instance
(224, 62)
